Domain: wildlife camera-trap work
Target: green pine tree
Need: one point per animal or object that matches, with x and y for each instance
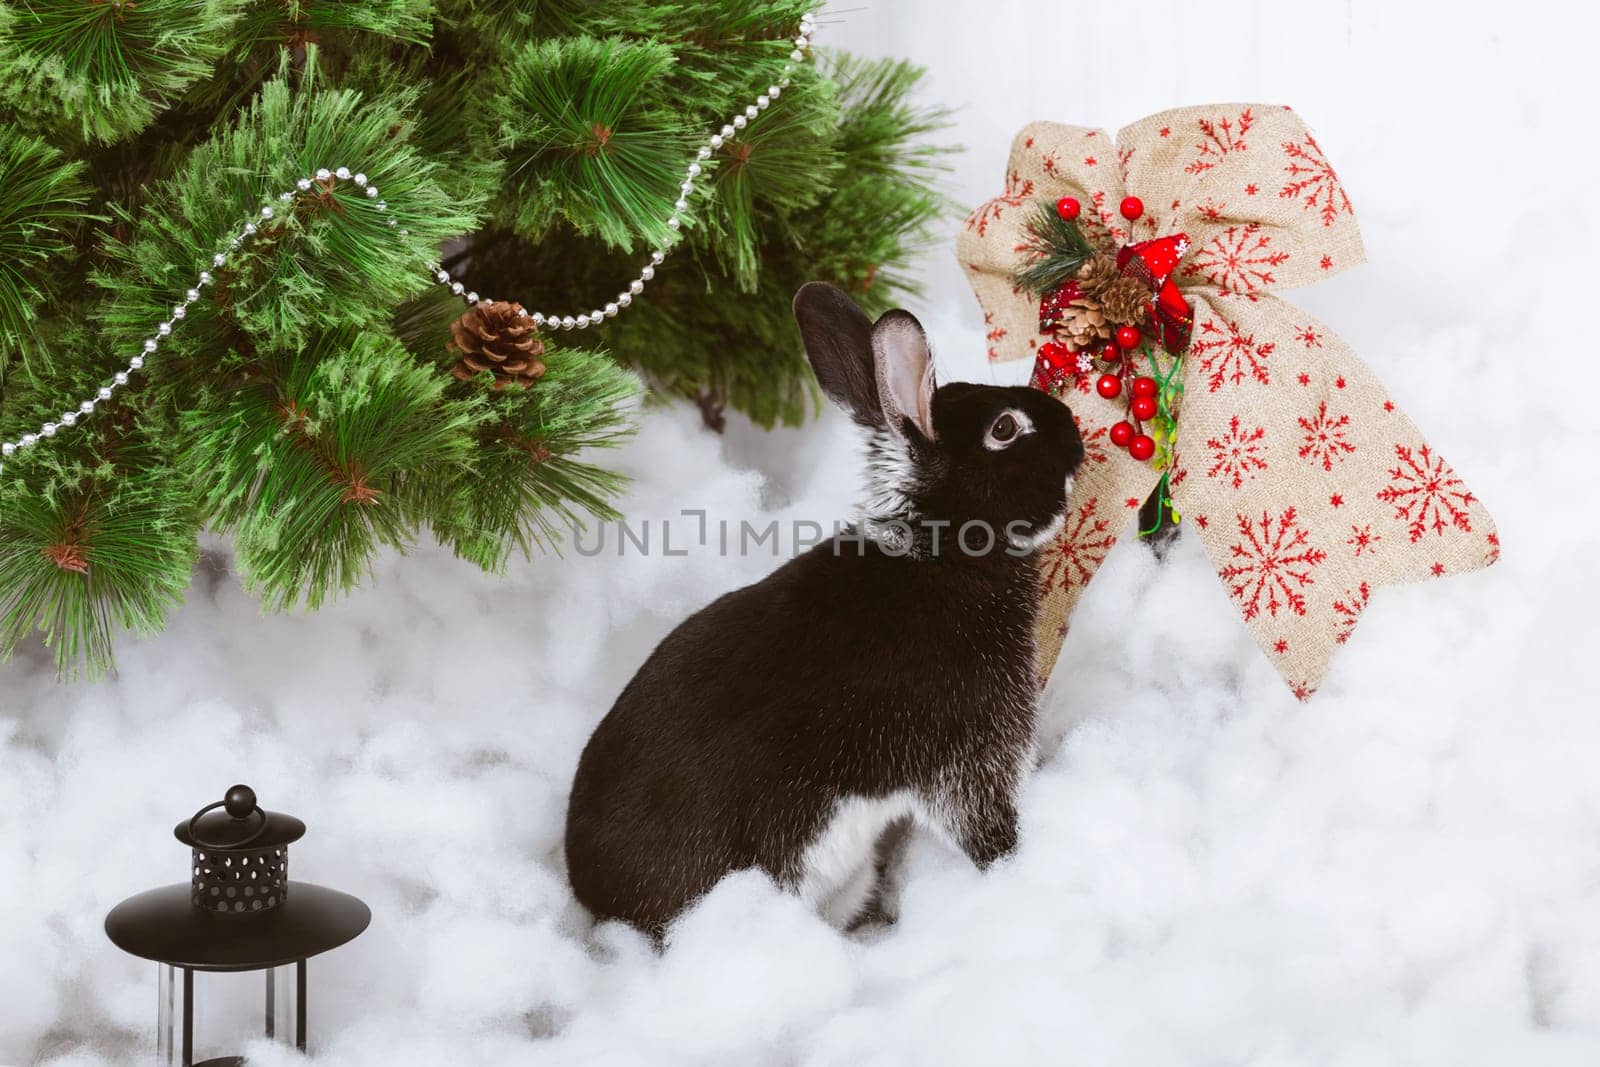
(305, 404)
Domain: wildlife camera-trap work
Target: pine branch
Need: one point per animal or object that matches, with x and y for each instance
(42, 212)
(530, 482)
(1053, 250)
(85, 553)
(591, 142)
(303, 21)
(528, 479)
(328, 260)
(107, 68)
(782, 163)
(322, 456)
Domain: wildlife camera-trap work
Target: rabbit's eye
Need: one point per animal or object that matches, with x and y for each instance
(1006, 429)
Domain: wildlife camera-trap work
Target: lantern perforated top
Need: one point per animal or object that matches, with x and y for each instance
(240, 859)
(238, 910)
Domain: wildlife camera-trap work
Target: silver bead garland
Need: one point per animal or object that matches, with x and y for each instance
(611, 310)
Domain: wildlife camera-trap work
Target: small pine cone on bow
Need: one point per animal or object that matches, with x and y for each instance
(1084, 326)
(495, 336)
(1121, 299)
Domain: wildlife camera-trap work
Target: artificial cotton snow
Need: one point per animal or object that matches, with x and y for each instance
(1405, 870)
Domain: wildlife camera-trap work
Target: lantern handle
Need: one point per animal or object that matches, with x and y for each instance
(237, 844)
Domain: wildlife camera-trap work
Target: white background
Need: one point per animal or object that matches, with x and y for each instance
(1406, 870)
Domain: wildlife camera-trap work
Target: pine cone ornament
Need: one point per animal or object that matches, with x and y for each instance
(1120, 298)
(1083, 324)
(496, 336)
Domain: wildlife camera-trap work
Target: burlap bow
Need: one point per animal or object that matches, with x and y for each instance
(1308, 485)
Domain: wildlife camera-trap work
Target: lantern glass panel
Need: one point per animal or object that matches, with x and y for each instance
(271, 999)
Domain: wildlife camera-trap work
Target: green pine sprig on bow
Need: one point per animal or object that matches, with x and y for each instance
(1052, 252)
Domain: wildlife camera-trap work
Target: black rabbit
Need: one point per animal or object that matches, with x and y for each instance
(800, 723)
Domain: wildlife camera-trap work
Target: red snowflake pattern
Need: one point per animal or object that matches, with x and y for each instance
(1313, 181)
(1308, 336)
(993, 335)
(1095, 439)
(1494, 550)
(1238, 261)
(1426, 493)
(1075, 555)
(1347, 611)
(1237, 454)
(1272, 564)
(1362, 539)
(1018, 189)
(1104, 226)
(1227, 355)
(1218, 139)
(1325, 438)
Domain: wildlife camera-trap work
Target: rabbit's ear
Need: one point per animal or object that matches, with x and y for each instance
(838, 338)
(905, 372)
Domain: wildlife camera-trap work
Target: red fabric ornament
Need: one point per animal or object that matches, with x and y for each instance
(1144, 385)
(1128, 337)
(1109, 386)
(1142, 447)
(1144, 407)
(1054, 355)
(1054, 302)
(1153, 263)
(1052, 366)
(1069, 208)
(1132, 207)
(1121, 433)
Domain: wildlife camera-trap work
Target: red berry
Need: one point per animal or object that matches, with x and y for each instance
(1144, 407)
(1132, 207)
(1054, 355)
(1109, 386)
(1143, 385)
(1111, 354)
(1121, 433)
(1068, 207)
(1128, 336)
(1142, 447)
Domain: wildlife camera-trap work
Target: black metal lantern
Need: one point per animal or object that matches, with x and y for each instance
(237, 912)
